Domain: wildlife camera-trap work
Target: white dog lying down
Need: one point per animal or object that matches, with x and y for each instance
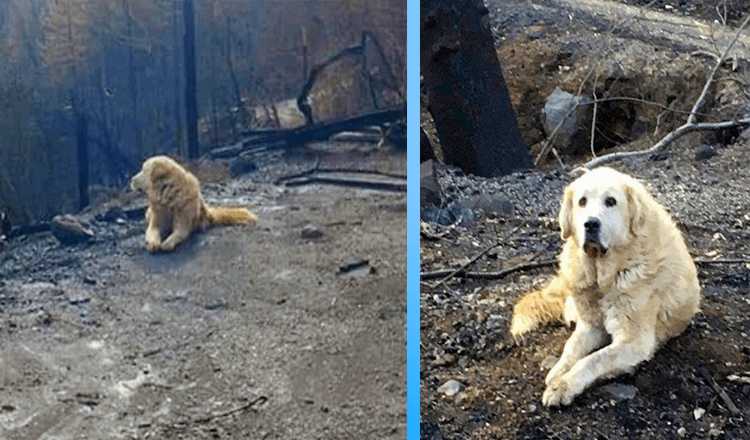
(625, 273)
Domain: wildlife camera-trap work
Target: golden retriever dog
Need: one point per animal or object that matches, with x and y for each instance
(625, 277)
(175, 205)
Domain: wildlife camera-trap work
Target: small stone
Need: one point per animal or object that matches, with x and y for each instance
(450, 388)
(698, 413)
(714, 432)
(532, 408)
(621, 391)
(681, 432)
(311, 232)
(705, 152)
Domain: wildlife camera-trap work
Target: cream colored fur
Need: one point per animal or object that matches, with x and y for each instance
(175, 205)
(642, 291)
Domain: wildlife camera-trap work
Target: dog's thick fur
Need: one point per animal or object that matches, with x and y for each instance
(625, 276)
(175, 205)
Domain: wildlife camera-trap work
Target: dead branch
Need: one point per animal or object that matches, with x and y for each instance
(690, 125)
(354, 183)
(719, 390)
(723, 261)
(473, 260)
(245, 407)
(487, 275)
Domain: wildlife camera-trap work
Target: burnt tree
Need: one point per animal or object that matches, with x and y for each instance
(468, 98)
(191, 105)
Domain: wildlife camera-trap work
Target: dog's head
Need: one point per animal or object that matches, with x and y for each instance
(151, 170)
(601, 209)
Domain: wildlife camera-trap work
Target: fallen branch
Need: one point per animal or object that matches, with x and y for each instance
(723, 261)
(365, 184)
(249, 405)
(690, 125)
(720, 391)
(473, 260)
(335, 170)
(487, 275)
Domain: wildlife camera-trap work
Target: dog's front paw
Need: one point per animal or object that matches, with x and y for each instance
(558, 393)
(153, 245)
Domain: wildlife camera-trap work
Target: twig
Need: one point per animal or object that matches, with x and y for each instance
(720, 391)
(666, 140)
(723, 261)
(690, 125)
(473, 260)
(487, 275)
(249, 405)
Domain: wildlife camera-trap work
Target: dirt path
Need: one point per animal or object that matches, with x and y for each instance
(243, 332)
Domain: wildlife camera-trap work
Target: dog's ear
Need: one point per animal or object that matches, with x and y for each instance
(566, 214)
(637, 208)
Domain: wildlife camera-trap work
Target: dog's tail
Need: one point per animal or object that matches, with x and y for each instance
(542, 306)
(228, 215)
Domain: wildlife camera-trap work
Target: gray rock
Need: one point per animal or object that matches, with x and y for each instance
(429, 188)
(705, 152)
(450, 388)
(311, 232)
(573, 134)
(621, 391)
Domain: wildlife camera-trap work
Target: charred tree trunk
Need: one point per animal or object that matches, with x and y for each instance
(468, 98)
(191, 106)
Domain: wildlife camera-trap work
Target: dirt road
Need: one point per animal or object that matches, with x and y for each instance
(243, 332)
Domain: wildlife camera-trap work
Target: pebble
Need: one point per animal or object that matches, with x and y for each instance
(698, 413)
(450, 388)
(681, 432)
(311, 232)
(621, 391)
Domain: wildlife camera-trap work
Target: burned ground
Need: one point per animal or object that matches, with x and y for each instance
(292, 328)
(698, 384)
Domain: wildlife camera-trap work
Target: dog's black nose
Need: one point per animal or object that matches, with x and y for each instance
(592, 225)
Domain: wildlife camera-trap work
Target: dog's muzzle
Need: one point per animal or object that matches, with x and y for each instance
(592, 245)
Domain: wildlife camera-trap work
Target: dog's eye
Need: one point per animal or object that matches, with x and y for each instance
(610, 202)
(582, 202)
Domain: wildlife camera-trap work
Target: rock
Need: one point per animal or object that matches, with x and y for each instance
(491, 204)
(426, 151)
(240, 165)
(621, 391)
(573, 134)
(311, 232)
(353, 265)
(429, 187)
(681, 432)
(705, 152)
(532, 408)
(69, 230)
(450, 388)
(698, 413)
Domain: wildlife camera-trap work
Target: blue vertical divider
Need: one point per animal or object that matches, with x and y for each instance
(412, 222)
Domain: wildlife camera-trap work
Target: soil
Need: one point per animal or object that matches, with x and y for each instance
(698, 384)
(291, 328)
